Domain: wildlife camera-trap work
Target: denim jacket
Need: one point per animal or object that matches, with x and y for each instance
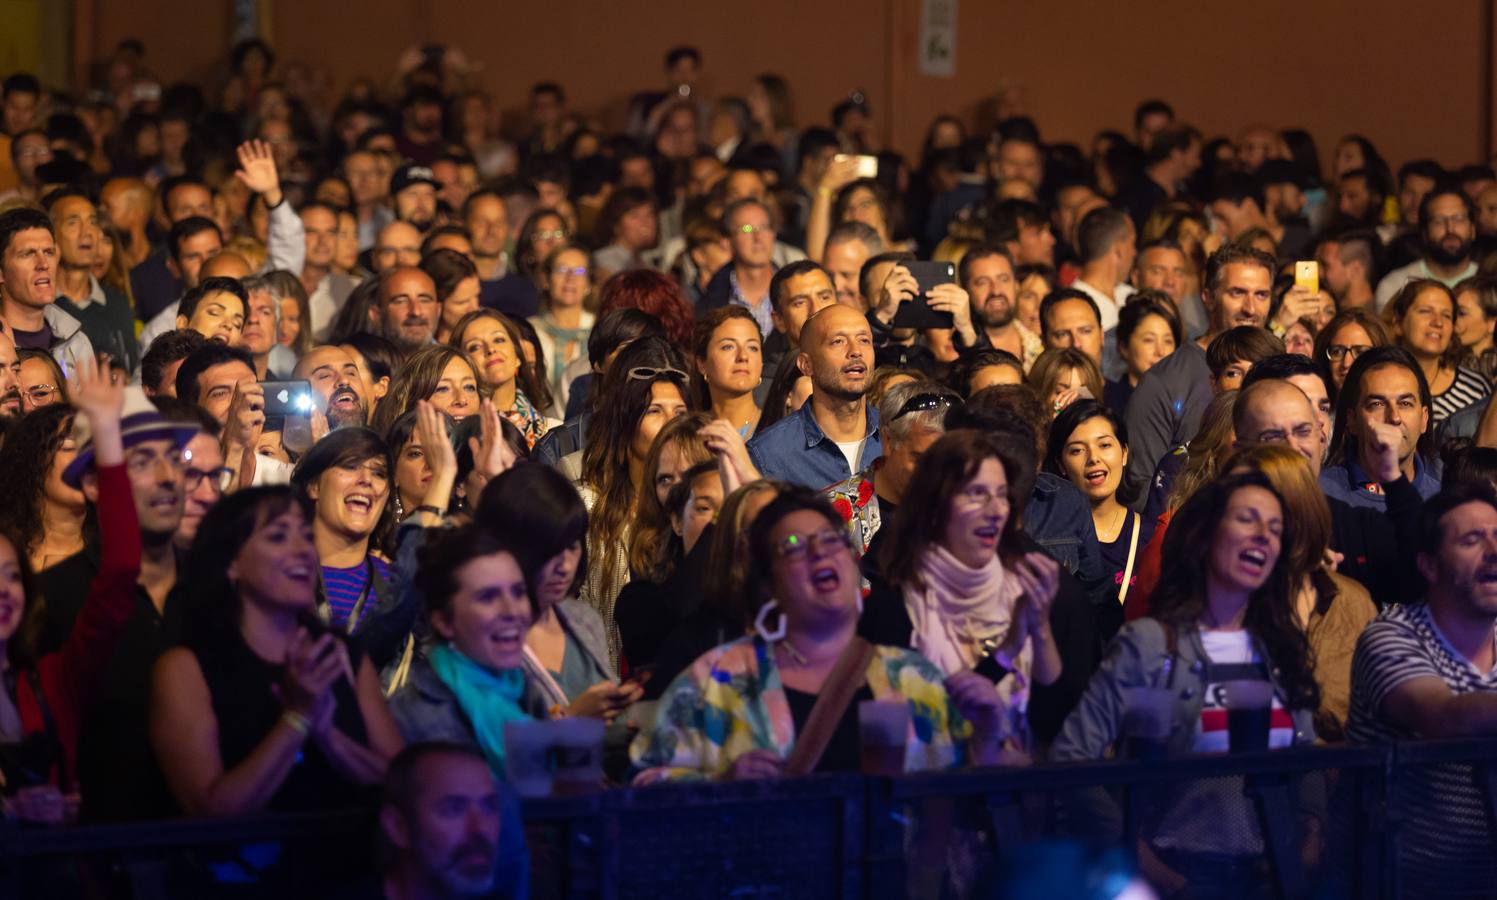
(797, 450)
(1059, 519)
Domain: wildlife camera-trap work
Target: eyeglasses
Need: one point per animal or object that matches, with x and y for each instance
(220, 478)
(40, 394)
(564, 271)
(556, 234)
(794, 548)
(1335, 351)
(922, 403)
(648, 373)
(755, 229)
(1450, 221)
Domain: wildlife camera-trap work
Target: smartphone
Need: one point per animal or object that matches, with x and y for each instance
(867, 165)
(916, 313)
(1307, 275)
(289, 398)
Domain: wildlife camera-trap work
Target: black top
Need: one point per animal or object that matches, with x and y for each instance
(1115, 395)
(245, 704)
(116, 767)
(514, 295)
(646, 612)
(843, 751)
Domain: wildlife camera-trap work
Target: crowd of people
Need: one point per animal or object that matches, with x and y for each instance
(342, 438)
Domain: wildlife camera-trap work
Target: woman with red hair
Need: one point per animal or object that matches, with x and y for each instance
(652, 292)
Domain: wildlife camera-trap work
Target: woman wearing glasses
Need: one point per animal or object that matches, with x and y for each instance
(40, 379)
(781, 702)
(544, 231)
(958, 589)
(562, 326)
(1349, 334)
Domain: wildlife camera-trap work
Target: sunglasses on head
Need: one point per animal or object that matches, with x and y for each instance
(649, 373)
(923, 403)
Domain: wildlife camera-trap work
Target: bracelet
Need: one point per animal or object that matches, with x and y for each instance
(298, 722)
(428, 508)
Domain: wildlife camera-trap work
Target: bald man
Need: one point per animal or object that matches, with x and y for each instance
(835, 433)
(335, 376)
(225, 264)
(405, 309)
(1372, 542)
(126, 203)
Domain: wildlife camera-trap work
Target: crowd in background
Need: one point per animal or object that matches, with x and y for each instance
(342, 437)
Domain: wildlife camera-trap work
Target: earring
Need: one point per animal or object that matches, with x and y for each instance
(759, 627)
(860, 601)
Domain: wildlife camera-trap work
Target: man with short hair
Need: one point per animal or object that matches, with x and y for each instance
(1254, 146)
(1105, 240)
(1385, 389)
(835, 433)
(1348, 264)
(28, 154)
(162, 359)
(1162, 266)
(913, 416)
(420, 137)
(208, 377)
(1240, 204)
(1171, 159)
(369, 187)
(205, 477)
(398, 244)
(1303, 373)
(456, 832)
(113, 749)
(1166, 407)
(1149, 119)
(1070, 318)
(1359, 198)
(499, 287)
(848, 246)
(20, 97)
(102, 312)
(413, 188)
(798, 291)
(986, 273)
(1429, 670)
(335, 377)
(1023, 228)
(1020, 156)
(155, 282)
(745, 280)
(28, 289)
(1447, 222)
(10, 385)
(405, 309)
(1273, 411)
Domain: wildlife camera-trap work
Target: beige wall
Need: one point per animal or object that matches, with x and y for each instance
(1407, 75)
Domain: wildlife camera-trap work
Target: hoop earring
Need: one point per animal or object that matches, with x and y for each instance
(759, 627)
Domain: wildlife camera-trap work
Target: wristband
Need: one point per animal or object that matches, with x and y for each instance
(428, 508)
(298, 722)
(277, 204)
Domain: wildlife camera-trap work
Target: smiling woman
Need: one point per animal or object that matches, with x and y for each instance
(215, 309)
(346, 476)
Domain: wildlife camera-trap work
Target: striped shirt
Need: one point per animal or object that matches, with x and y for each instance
(1468, 388)
(342, 588)
(1444, 844)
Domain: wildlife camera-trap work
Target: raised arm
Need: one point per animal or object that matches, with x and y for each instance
(286, 241)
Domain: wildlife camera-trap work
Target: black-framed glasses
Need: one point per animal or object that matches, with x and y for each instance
(220, 478)
(794, 548)
(650, 373)
(1335, 351)
(923, 403)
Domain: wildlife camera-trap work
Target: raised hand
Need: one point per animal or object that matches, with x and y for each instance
(98, 391)
(257, 171)
(952, 299)
(899, 285)
(733, 462)
(1385, 441)
(491, 452)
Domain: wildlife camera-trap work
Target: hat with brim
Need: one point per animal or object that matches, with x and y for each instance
(407, 175)
(140, 423)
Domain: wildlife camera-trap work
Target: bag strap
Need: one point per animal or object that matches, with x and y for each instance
(34, 676)
(1132, 555)
(847, 676)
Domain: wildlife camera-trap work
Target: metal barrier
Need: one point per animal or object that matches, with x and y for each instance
(827, 836)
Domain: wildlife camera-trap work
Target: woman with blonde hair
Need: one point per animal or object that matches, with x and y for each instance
(1061, 376)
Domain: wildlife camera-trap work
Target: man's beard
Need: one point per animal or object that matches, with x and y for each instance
(1436, 251)
(999, 318)
(344, 418)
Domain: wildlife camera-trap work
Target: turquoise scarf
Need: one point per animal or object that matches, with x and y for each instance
(488, 698)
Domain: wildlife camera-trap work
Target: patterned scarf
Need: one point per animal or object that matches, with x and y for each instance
(524, 416)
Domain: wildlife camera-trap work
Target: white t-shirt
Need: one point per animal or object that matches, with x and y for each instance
(853, 451)
(1232, 655)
